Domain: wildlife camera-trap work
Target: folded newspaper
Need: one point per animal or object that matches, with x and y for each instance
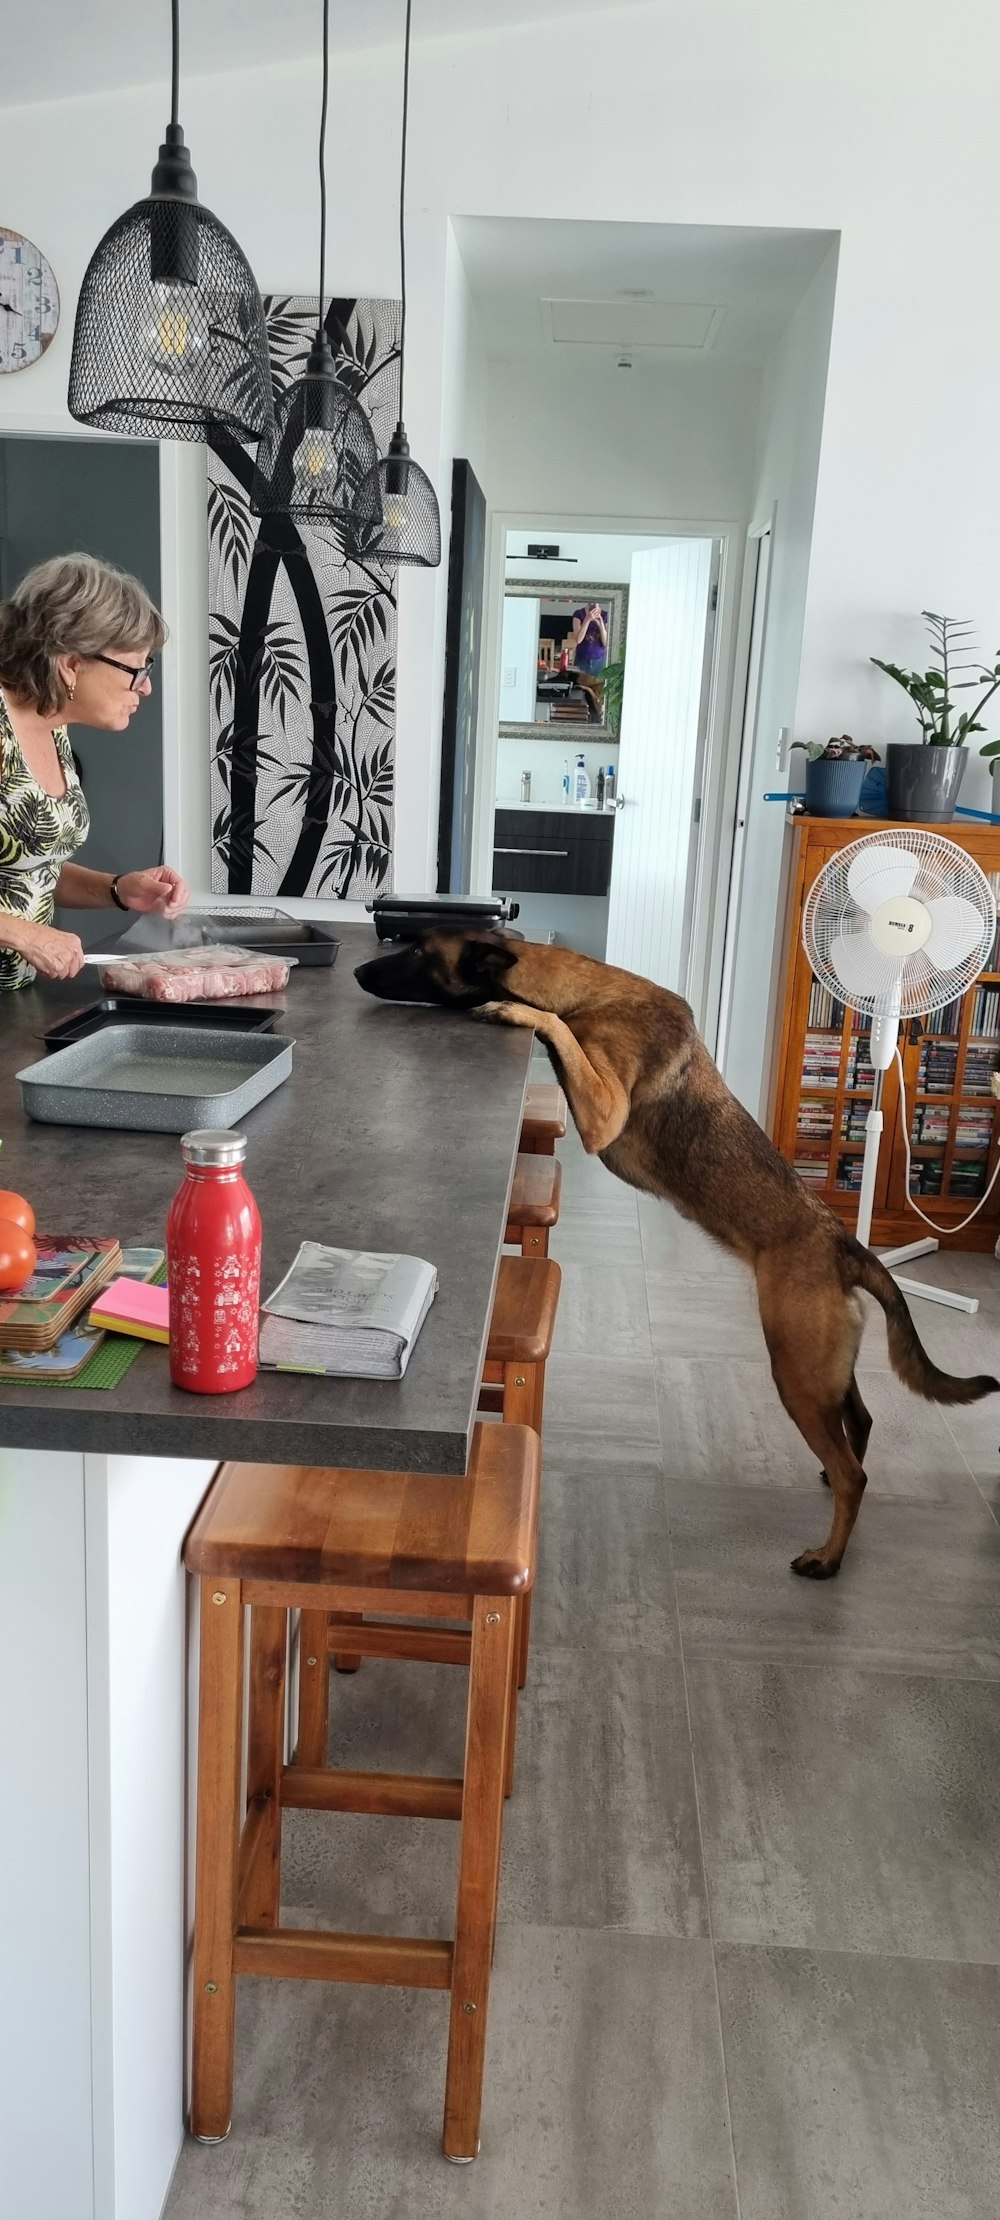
(347, 1312)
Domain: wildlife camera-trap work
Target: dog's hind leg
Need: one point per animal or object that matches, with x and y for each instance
(812, 1337)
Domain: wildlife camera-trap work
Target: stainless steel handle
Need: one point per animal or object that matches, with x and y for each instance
(531, 851)
(621, 801)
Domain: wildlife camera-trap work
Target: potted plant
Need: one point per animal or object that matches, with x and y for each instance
(925, 775)
(835, 775)
(992, 748)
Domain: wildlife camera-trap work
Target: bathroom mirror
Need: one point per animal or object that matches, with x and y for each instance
(557, 645)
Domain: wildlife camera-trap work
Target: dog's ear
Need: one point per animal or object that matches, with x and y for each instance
(485, 960)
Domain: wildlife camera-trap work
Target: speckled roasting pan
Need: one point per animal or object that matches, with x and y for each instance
(167, 1079)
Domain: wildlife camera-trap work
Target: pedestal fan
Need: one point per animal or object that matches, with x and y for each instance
(897, 926)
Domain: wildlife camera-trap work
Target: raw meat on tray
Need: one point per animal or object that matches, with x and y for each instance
(199, 975)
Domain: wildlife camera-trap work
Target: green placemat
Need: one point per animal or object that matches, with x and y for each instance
(116, 1355)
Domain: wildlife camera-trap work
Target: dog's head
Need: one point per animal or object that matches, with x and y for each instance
(460, 971)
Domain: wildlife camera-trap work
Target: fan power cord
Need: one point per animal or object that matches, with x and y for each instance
(984, 1197)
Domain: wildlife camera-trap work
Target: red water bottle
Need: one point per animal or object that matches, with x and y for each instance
(213, 1268)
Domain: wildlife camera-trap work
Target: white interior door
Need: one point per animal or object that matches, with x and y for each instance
(661, 713)
(758, 574)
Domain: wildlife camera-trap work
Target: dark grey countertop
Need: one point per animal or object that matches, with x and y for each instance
(397, 1130)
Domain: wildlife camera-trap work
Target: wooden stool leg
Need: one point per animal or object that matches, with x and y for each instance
(314, 1689)
(344, 1661)
(520, 1394)
(534, 1241)
(523, 1638)
(260, 1891)
(220, 1712)
(479, 1870)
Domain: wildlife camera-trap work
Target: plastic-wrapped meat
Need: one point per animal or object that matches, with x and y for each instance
(198, 975)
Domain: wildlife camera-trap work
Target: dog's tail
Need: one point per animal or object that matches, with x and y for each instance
(907, 1354)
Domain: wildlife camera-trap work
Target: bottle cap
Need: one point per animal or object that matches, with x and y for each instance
(220, 1150)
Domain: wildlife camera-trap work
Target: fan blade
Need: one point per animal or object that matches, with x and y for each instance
(877, 873)
(956, 931)
(863, 970)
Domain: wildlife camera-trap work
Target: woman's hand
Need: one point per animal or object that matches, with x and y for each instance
(160, 891)
(54, 955)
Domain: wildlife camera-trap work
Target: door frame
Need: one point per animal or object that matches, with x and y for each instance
(740, 759)
(710, 788)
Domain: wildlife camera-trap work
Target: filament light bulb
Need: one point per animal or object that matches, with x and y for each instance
(176, 337)
(315, 464)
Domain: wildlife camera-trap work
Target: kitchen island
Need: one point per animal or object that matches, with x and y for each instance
(397, 1130)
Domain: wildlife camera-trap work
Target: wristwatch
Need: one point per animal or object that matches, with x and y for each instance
(113, 891)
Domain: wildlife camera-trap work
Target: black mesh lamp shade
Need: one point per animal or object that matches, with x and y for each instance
(170, 341)
(319, 458)
(409, 530)
(407, 527)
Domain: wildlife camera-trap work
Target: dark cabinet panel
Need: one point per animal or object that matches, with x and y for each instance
(552, 852)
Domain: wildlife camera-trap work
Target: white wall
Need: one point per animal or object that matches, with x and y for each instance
(580, 436)
(788, 461)
(848, 115)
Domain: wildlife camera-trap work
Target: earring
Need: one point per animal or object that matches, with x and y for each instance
(71, 690)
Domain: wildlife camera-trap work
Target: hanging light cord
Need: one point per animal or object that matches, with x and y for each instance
(402, 205)
(322, 157)
(175, 58)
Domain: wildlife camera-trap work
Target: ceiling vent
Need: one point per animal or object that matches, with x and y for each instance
(684, 328)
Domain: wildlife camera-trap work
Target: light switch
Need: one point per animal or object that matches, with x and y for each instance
(510, 678)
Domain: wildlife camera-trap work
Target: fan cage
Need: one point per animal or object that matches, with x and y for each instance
(318, 412)
(919, 987)
(407, 520)
(173, 356)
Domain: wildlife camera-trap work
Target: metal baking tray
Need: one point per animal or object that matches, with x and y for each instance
(309, 943)
(128, 1009)
(135, 1078)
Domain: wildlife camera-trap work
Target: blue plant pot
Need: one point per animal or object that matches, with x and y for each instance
(833, 786)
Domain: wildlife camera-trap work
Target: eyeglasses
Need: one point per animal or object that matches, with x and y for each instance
(135, 675)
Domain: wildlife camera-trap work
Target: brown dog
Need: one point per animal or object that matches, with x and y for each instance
(647, 1098)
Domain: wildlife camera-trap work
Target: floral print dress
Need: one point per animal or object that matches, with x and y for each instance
(39, 832)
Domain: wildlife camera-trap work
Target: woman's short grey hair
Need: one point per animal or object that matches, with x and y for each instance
(73, 605)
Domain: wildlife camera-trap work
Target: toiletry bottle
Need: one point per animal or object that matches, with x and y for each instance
(581, 782)
(609, 785)
(213, 1268)
(526, 786)
(567, 784)
(600, 787)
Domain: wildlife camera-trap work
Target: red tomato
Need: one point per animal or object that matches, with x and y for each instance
(18, 1256)
(18, 1211)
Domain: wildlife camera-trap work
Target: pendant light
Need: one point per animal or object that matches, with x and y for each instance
(401, 493)
(170, 341)
(320, 451)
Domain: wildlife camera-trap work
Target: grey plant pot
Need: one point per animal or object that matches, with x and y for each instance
(924, 782)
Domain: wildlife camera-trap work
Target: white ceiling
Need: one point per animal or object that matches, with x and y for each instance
(640, 283)
(60, 47)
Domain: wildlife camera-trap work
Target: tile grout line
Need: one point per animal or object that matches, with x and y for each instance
(980, 1491)
(694, 1783)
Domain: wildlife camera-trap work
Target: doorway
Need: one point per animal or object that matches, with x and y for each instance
(101, 497)
(612, 871)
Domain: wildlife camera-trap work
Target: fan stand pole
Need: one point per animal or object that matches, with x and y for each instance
(866, 1206)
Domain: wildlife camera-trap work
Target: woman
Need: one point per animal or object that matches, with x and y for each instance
(77, 642)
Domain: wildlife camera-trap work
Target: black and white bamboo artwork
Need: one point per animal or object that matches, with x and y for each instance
(302, 653)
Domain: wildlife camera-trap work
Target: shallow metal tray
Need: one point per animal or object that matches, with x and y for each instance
(243, 1016)
(136, 1078)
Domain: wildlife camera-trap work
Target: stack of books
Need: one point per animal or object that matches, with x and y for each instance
(821, 1061)
(69, 1273)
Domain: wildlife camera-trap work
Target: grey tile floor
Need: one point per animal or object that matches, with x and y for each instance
(749, 1961)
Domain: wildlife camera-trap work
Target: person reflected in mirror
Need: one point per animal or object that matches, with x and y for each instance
(590, 655)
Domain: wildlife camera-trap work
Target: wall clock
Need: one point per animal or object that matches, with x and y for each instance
(29, 302)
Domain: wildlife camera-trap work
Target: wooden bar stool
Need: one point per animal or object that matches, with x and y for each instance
(545, 1117)
(280, 1538)
(520, 1341)
(534, 1204)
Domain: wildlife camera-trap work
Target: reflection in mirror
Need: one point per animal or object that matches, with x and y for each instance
(562, 657)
